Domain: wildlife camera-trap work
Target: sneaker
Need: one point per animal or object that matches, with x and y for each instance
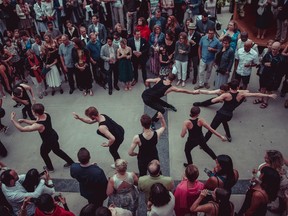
(153, 127)
(173, 108)
(198, 87)
(185, 164)
(66, 165)
(178, 83)
(49, 170)
(183, 83)
(207, 86)
(229, 139)
(17, 105)
(112, 166)
(197, 104)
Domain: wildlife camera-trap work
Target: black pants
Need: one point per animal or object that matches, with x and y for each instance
(27, 109)
(136, 62)
(70, 73)
(113, 149)
(54, 146)
(157, 104)
(195, 63)
(98, 76)
(192, 144)
(218, 119)
(112, 71)
(3, 150)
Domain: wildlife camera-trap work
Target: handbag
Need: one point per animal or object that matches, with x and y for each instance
(45, 71)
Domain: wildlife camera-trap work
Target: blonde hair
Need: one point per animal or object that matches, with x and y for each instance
(121, 165)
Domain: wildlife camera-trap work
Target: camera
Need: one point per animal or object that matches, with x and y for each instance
(42, 173)
(57, 198)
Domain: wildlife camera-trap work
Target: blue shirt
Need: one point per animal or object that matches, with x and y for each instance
(66, 53)
(208, 56)
(94, 49)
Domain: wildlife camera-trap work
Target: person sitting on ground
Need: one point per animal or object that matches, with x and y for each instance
(219, 206)
(187, 190)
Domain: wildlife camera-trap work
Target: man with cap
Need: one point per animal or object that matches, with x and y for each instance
(194, 39)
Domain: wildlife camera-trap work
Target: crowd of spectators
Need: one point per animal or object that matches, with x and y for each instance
(52, 41)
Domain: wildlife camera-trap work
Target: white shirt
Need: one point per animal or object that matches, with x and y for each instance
(15, 195)
(96, 28)
(137, 44)
(166, 210)
(245, 58)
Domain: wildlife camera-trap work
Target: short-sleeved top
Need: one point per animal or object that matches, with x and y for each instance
(157, 91)
(49, 134)
(205, 42)
(66, 53)
(246, 58)
(148, 149)
(115, 129)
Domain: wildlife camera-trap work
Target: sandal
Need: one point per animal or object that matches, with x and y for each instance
(263, 105)
(257, 101)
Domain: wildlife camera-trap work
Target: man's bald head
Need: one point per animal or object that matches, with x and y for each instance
(154, 168)
(275, 48)
(248, 45)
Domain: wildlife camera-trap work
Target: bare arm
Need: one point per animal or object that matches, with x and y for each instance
(208, 127)
(135, 179)
(148, 81)
(163, 125)
(110, 187)
(256, 202)
(210, 92)
(219, 98)
(196, 207)
(184, 128)
(85, 120)
(30, 128)
(248, 94)
(27, 121)
(111, 139)
(181, 90)
(134, 144)
(28, 88)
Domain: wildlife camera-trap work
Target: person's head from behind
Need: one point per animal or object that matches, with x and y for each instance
(224, 166)
(234, 84)
(88, 210)
(45, 203)
(270, 182)
(191, 173)
(92, 112)
(17, 92)
(154, 168)
(146, 121)
(222, 196)
(121, 165)
(195, 111)
(274, 158)
(32, 180)
(103, 211)
(171, 77)
(38, 108)
(83, 156)
(159, 195)
(9, 177)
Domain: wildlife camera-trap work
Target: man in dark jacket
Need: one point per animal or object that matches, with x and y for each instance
(140, 49)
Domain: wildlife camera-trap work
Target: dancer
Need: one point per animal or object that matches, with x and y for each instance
(147, 142)
(49, 136)
(151, 96)
(107, 128)
(232, 100)
(195, 135)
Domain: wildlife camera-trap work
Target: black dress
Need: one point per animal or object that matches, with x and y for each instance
(264, 21)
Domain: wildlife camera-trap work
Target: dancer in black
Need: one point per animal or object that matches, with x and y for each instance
(195, 135)
(21, 96)
(49, 136)
(147, 142)
(151, 96)
(108, 129)
(232, 100)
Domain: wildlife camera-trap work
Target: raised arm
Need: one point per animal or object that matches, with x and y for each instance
(148, 81)
(85, 120)
(163, 124)
(29, 128)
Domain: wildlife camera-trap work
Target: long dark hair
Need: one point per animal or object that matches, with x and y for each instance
(32, 179)
(270, 182)
(222, 198)
(226, 164)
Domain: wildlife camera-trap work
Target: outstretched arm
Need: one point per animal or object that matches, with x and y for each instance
(30, 128)
(248, 94)
(208, 127)
(85, 120)
(181, 90)
(211, 92)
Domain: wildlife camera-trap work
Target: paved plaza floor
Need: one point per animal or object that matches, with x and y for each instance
(253, 130)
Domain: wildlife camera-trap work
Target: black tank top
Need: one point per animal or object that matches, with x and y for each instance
(196, 131)
(25, 95)
(49, 134)
(148, 148)
(115, 129)
(229, 106)
(158, 90)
